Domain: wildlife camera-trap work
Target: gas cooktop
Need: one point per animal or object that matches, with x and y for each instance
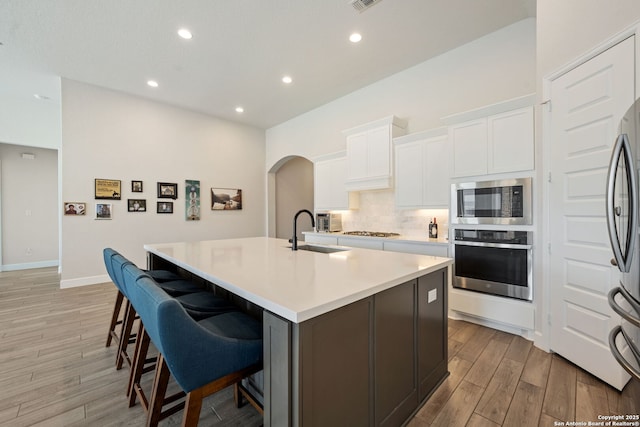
(370, 233)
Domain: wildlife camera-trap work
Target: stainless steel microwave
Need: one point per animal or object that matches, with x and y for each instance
(328, 222)
(503, 202)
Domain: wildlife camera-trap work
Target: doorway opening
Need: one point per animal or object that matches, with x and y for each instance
(290, 188)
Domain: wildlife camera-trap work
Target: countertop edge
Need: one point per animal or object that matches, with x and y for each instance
(333, 305)
(310, 313)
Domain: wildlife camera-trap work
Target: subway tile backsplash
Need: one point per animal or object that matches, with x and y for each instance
(378, 213)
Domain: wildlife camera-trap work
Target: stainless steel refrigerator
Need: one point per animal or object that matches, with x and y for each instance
(622, 222)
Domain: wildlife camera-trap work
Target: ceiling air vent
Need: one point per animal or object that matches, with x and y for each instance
(361, 5)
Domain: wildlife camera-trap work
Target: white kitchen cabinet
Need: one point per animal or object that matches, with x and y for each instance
(361, 243)
(330, 192)
(422, 170)
(511, 141)
(494, 144)
(370, 155)
(469, 142)
(433, 249)
(321, 239)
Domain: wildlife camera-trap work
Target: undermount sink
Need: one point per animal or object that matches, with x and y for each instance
(320, 249)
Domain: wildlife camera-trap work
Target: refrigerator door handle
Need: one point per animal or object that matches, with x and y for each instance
(623, 313)
(622, 148)
(619, 357)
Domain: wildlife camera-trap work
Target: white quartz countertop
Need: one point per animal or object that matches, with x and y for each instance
(296, 285)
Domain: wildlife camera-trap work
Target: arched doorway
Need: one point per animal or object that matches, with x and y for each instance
(290, 188)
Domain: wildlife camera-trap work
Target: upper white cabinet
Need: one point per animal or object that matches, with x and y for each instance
(469, 142)
(511, 141)
(330, 192)
(422, 170)
(370, 154)
(495, 139)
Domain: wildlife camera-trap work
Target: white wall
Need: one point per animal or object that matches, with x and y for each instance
(25, 120)
(569, 28)
(491, 69)
(110, 135)
(29, 207)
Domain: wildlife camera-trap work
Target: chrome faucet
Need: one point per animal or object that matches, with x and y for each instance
(294, 239)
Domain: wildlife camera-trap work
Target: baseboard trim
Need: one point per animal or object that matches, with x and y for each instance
(29, 265)
(84, 281)
(493, 324)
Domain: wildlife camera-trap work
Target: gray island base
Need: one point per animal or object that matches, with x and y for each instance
(371, 361)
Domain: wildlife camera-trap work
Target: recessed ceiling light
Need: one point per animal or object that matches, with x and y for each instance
(41, 97)
(355, 37)
(287, 79)
(152, 83)
(239, 110)
(185, 34)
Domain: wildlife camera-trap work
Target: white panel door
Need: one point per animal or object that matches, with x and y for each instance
(587, 105)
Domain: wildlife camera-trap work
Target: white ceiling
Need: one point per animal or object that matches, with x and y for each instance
(240, 49)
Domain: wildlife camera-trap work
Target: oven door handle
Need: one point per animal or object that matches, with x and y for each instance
(493, 245)
(619, 357)
(622, 312)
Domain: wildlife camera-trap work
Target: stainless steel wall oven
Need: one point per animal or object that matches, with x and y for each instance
(497, 262)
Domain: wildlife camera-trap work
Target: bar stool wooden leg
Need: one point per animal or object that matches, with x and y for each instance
(192, 408)
(160, 383)
(114, 319)
(127, 327)
(139, 359)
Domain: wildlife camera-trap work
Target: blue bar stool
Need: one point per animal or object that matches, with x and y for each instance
(203, 356)
(199, 305)
(107, 254)
(180, 288)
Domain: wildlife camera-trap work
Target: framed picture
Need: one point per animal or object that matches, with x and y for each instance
(103, 210)
(75, 208)
(137, 205)
(165, 207)
(226, 199)
(192, 200)
(167, 190)
(136, 186)
(107, 189)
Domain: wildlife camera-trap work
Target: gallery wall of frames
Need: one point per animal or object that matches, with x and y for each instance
(110, 202)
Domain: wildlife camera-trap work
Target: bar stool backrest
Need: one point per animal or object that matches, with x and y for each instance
(194, 354)
(107, 254)
(119, 263)
(146, 295)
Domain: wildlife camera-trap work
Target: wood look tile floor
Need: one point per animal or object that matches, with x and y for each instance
(56, 371)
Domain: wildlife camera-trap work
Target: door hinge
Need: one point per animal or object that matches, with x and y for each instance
(549, 177)
(549, 318)
(549, 248)
(547, 103)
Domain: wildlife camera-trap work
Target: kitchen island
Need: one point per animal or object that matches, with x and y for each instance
(352, 337)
